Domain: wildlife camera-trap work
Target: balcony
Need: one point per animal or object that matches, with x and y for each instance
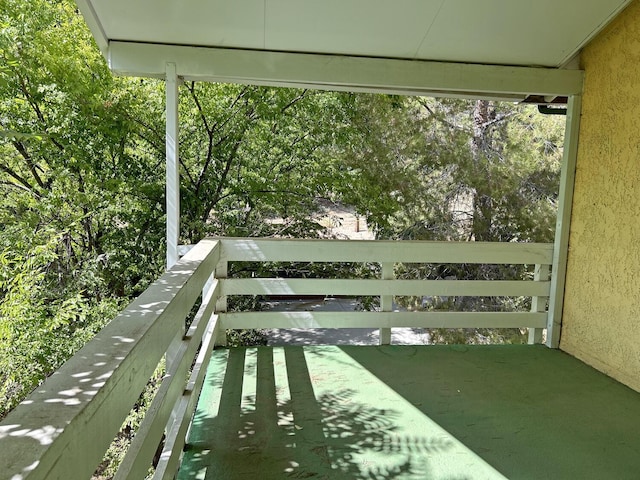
(388, 411)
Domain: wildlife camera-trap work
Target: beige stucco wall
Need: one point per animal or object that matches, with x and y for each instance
(601, 320)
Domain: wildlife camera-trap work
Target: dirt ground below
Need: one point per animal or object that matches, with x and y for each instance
(336, 336)
(342, 222)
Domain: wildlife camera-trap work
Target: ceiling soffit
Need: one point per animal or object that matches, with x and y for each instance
(544, 34)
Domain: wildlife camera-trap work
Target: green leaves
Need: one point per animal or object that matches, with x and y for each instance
(256, 160)
(81, 228)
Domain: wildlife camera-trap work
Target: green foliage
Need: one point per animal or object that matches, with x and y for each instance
(256, 160)
(437, 169)
(81, 227)
(246, 338)
(40, 326)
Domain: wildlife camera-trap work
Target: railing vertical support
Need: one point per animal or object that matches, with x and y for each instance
(563, 221)
(221, 303)
(173, 172)
(174, 348)
(386, 302)
(538, 304)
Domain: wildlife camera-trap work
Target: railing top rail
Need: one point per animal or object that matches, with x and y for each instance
(406, 251)
(81, 407)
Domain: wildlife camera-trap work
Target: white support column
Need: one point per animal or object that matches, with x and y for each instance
(173, 171)
(386, 302)
(563, 222)
(538, 304)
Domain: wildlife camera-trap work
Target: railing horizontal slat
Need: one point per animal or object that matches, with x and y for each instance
(281, 250)
(356, 287)
(266, 320)
(145, 443)
(176, 436)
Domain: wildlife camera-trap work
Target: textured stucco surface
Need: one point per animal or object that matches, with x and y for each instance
(601, 320)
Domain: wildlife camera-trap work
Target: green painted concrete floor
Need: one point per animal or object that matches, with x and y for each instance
(411, 412)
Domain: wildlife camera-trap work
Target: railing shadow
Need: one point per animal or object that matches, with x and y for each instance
(272, 422)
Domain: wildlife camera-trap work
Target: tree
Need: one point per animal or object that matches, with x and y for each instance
(458, 170)
(256, 160)
(76, 187)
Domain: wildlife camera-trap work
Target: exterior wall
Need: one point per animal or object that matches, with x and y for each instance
(601, 320)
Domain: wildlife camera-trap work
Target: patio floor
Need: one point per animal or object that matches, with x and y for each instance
(411, 412)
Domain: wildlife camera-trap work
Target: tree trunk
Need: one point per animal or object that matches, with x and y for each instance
(480, 144)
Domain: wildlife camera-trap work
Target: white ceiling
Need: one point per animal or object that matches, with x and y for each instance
(497, 32)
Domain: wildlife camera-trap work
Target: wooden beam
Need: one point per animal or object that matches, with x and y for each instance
(221, 272)
(338, 72)
(539, 302)
(563, 221)
(379, 251)
(243, 320)
(380, 287)
(386, 301)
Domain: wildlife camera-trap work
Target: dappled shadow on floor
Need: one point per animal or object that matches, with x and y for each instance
(529, 411)
(313, 412)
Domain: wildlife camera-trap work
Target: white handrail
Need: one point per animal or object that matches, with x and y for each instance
(62, 430)
(381, 251)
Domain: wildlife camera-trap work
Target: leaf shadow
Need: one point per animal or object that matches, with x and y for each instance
(261, 428)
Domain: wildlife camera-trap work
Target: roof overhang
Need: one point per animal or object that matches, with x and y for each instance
(497, 49)
(333, 72)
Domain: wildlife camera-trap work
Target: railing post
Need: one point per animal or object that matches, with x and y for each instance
(386, 302)
(174, 348)
(538, 304)
(221, 303)
(563, 221)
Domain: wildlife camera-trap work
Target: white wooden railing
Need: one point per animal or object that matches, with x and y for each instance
(64, 428)
(386, 253)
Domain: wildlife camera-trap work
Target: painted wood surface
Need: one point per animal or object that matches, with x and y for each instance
(176, 435)
(81, 407)
(380, 251)
(342, 72)
(539, 302)
(149, 435)
(383, 319)
(356, 287)
(172, 187)
(386, 301)
(387, 253)
(565, 202)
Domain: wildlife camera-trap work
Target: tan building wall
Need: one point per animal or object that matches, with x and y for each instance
(601, 320)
